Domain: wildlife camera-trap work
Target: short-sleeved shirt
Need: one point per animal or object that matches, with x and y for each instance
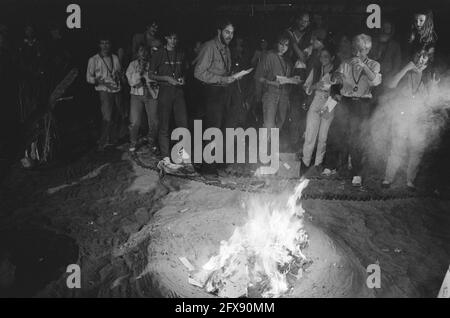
(356, 83)
(168, 63)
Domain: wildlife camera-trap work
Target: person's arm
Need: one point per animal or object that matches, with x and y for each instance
(202, 72)
(134, 77)
(338, 76)
(298, 52)
(373, 75)
(117, 66)
(90, 73)
(308, 83)
(399, 75)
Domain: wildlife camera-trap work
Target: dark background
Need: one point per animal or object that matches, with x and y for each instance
(195, 18)
(195, 21)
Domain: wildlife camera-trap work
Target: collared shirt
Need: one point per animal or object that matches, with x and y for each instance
(102, 68)
(134, 75)
(356, 83)
(273, 65)
(214, 62)
(168, 63)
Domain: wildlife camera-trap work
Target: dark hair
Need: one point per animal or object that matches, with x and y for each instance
(104, 37)
(143, 46)
(281, 37)
(329, 48)
(423, 51)
(301, 14)
(427, 34)
(169, 32)
(152, 21)
(223, 23)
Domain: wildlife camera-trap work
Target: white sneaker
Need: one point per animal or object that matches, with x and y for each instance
(357, 181)
(327, 172)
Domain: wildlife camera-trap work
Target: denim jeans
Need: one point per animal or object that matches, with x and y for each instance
(171, 104)
(137, 106)
(351, 117)
(317, 127)
(110, 108)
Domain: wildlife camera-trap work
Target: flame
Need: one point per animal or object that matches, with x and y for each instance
(271, 239)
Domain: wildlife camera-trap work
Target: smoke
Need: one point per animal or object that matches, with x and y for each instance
(403, 125)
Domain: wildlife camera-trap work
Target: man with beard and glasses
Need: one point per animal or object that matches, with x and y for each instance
(213, 69)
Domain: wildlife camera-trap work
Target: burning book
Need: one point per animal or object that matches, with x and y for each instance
(256, 259)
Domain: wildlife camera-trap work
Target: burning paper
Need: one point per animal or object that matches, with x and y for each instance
(261, 252)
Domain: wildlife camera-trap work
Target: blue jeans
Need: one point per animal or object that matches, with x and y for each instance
(137, 106)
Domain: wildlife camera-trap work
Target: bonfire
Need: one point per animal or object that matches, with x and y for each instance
(262, 257)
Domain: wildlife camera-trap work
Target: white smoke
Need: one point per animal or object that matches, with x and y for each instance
(399, 117)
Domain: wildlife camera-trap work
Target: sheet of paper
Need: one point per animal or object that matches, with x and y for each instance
(330, 104)
(242, 73)
(287, 80)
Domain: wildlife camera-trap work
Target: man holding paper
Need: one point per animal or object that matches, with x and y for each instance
(213, 69)
(274, 72)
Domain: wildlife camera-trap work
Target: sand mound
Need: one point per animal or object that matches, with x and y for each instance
(335, 272)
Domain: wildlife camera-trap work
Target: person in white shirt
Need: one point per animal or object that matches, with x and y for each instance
(141, 98)
(320, 113)
(104, 73)
(357, 75)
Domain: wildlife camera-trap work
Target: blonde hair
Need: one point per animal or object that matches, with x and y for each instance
(362, 41)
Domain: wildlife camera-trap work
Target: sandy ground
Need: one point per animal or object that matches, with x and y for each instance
(130, 229)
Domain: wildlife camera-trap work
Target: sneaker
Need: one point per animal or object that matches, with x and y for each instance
(411, 186)
(328, 172)
(385, 184)
(132, 148)
(357, 181)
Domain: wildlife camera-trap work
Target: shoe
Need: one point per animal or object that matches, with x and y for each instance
(411, 186)
(132, 148)
(385, 184)
(328, 172)
(357, 181)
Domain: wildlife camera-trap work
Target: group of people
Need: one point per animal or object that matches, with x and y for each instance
(312, 83)
(320, 88)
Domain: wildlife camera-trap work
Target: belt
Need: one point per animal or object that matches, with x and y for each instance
(356, 98)
(214, 85)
